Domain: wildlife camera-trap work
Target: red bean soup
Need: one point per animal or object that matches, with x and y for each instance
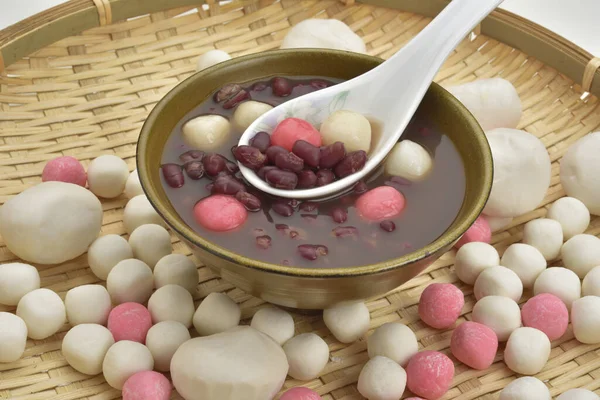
(312, 234)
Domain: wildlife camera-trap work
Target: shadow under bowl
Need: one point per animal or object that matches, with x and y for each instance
(311, 288)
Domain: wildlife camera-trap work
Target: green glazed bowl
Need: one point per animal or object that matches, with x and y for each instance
(311, 288)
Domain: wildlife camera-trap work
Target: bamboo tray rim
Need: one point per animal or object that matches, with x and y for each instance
(74, 16)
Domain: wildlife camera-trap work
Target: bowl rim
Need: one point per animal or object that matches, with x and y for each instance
(447, 238)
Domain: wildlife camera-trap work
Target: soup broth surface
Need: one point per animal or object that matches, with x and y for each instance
(431, 204)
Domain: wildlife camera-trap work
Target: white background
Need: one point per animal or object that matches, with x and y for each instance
(576, 20)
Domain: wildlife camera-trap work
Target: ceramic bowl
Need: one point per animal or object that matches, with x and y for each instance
(311, 288)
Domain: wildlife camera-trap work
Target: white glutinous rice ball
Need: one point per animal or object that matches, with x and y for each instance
(107, 176)
(578, 394)
(409, 160)
(498, 223)
(544, 234)
(585, 317)
(572, 214)
(581, 253)
(521, 173)
(499, 313)
(241, 363)
(324, 34)
(51, 222)
(88, 304)
(217, 313)
(43, 312)
(307, 355)
(163, 340)
(138, 211)
(591, 283)
(123, 359)
(150, 243)
(393, 340)
(381, 379)
(106, 252)
(206, 132)
(561, 282)
(472, 258)
(16, 280)
(273, 322)
(580, 171)
(130, 281)
(210, 58)
(347, 321)
(176, 269)
(493, 102)
(13, 337)
(85, 346)
(524, 260)
(525, 388)
(351, 128)
(133, 187)
(498, 281)
(247, 112)
(527, 351)
(172, 303)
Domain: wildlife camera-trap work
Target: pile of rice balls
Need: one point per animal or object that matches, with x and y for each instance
(136, 328)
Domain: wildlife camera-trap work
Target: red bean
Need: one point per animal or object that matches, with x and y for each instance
(192, 155)
(352, 163)
(281, 179)
(339, 215)
(306, 179)
(213, 164)
(332, 154)
(387, 225)
(281, 87)
(360, 187)
(239, 97)
(282, 209)
(227, 92)
(289, 162)
(306, 151)
(194, 169)
(318, 84)
(173, 175)
(324, 177)
(250, 201)
(262, 141)
(311, 251)
(228, 185)
(263, 242)
(309, 206)
(345, 231)
(282, 227)
(273, 151)
(250, 157)
(263, 170)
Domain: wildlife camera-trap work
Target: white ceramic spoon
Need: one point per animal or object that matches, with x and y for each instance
(389, 93)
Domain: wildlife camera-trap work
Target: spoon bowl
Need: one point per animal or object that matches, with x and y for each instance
(389, 94)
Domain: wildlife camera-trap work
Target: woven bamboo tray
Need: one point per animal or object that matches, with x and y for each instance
(80, 79)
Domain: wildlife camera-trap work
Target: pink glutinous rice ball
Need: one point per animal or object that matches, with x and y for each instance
(429, 374)
(474, 345)
(130, 321)
(300, 393)
(380, 203)
(440, 305)
(147, 385)
(547, 313)
(65, 169)
(220, 213)
(478, 232)
(290, 130)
